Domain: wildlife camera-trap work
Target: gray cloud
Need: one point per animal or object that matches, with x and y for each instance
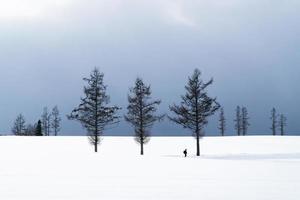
(251, 48)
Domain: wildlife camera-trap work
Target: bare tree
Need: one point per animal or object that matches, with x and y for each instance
(46, 122)
(196, 106)
(238, 120)
(55, 123)
(93, 112)
(274, 121)
(141, 112)
(245, 121)
(30, 130)
(19, 127)
(282, 124)
(222, 122)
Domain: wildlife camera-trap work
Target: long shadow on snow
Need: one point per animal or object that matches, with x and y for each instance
(283, 156)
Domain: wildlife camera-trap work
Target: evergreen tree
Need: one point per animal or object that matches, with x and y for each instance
(245, 121)
(19, 127)
(196, 106)
(222, 122)
(93, 112)
(55, 124)
(141, 112)
(274, 121)
(38, 129)
(238, 120)
(282, 124)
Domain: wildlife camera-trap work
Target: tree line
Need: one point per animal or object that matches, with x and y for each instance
(97, 115)
(278, 122)
(49, 124)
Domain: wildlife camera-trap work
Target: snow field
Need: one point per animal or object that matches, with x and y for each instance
(234, 168)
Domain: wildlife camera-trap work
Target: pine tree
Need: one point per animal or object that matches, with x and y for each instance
(238, 120)
(274, 121)
(55, 123)
(282, 124)
(46, 122)
(222, 122)
(141, 112)
(245, 121)
(38, 129)
(93, 112)
(196, 106)
(19, 127)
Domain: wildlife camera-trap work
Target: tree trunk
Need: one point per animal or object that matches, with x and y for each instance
(96, 143)
(142, 145)
(198, 144)
(96, 147)
(142, 148)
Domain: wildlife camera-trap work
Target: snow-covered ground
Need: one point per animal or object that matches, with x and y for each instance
(231, 168)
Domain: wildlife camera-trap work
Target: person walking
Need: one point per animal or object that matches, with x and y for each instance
(185, 153)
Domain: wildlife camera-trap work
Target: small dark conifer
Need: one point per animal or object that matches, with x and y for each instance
(38, 129)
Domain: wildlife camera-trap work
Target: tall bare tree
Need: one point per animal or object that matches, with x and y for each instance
(141, 112)
(238, 120)
(55, 123)
(195, 108)
(274, 120)
(46, 122)
(222, 122)
(282, 124)
(19, 127)
(245, 121)
(93, 112)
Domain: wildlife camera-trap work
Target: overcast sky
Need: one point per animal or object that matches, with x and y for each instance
(251, 48)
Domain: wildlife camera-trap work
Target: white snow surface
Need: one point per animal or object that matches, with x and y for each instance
(231, 168)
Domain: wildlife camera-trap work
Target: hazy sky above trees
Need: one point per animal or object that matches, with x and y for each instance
(250, 47)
